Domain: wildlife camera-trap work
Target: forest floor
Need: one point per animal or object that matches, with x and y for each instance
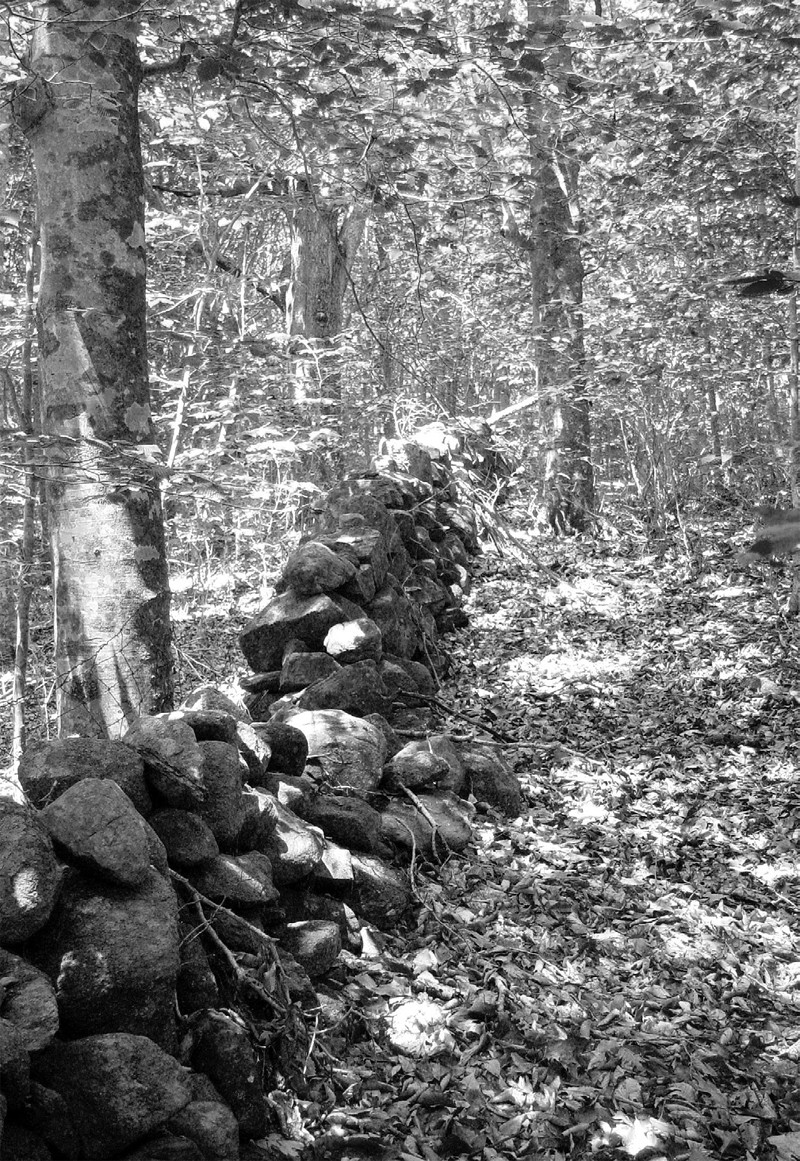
(615, 973)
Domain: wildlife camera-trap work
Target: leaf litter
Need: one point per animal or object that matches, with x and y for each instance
(616, 972)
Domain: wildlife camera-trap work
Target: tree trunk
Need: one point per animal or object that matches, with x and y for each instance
(324, 246)
(78, 109)
(557, 285)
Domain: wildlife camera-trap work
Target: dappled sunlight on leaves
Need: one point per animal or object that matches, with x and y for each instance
(615, 973)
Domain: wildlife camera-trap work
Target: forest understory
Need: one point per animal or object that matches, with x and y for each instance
(615, 973)
(619, 968)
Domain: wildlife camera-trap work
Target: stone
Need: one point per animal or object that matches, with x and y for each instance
(313, 568)
(358, 640)
(15, 1065)
(294, 848)
(237, 880)
(346, 819)
(394, 615)
(187, 838)
(288, 746)
(381, 894)
(96, 826)
(112, 954)
(356, 689)
(196, 986)
(222, 1050)
(222, 781)
(49, 768)
(490, 778)
(302, 669)
(118, 1087)
(172, 758)
(415, 766)
(209, 698)
(408, 828)
(21, 1143)
(255, 749)
(209, 725)
(350, 751)
(287, 616)
(333, 873)
(30, 877)
(314, 943)
(212, 1126)
(166, 1146)
(28, 1001)
(260, 820)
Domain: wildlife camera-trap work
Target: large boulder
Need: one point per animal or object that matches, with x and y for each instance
(112, 954)
(350, 751)
(96, 826)
(118, 1088)
(49, 768)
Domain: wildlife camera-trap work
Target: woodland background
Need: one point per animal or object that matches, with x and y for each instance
(532, 211)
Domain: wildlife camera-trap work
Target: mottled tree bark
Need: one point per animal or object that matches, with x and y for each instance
(78, 109)
(557, 283)
(325, 240)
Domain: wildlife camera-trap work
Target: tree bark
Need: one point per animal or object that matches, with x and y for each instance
(324, 246)
(78, 109)
(556, 267)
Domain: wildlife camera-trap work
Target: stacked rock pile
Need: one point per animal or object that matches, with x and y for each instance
(169, 901)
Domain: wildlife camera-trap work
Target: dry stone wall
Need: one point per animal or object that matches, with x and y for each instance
(169, 902)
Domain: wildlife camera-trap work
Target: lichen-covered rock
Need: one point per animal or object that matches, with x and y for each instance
(415, 766)
(212, 1126)
(442, 826)
(302, 669)
(358, 640)
(346, 819)
(118, 1087)
(96, 826)
(30, 876)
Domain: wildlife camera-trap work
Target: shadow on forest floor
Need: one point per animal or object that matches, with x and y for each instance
(619, 967)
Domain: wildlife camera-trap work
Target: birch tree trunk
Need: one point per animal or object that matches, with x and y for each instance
(78, 109)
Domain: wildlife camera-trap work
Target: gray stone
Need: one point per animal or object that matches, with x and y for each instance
(30, 877)
(350, 751)
(49, 768)
(97, 827)
(172, 757)
(29, 1001)
(112, 954)
(118, 1087)
(187, 838)
(314, 943)
(240, 880)
(222, 1050)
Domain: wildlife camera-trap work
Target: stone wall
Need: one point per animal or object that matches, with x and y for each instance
(169, 902)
